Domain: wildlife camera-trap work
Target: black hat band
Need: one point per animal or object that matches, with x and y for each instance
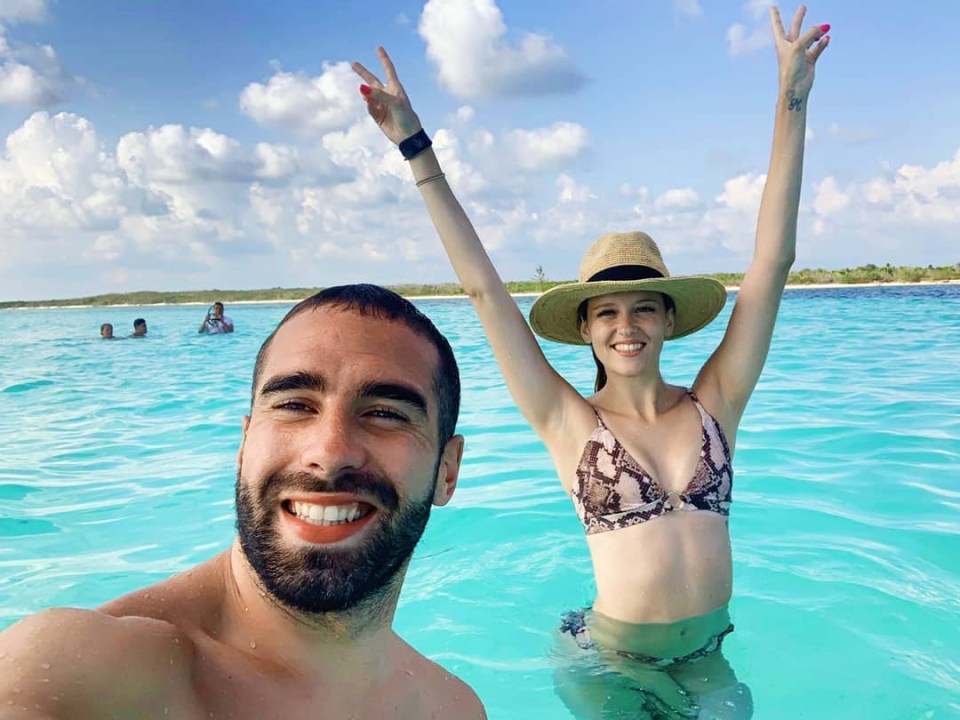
(626, 272)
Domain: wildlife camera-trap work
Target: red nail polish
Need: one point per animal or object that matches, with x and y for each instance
(365, 90)
(825, 28)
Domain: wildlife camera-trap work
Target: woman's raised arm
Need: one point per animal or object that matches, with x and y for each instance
(539, 392)
(732, 372)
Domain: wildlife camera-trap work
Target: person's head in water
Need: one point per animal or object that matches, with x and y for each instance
(106, 331)
(139, 327)
(349, 441)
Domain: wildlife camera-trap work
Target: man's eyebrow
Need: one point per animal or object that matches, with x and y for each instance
(314, 382)
(293, 381)
(395, 391)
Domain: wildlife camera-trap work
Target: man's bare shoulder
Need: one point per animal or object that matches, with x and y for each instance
(66, 662)
(447, 695)
(185, 600)
(461, 702)
(74, 633)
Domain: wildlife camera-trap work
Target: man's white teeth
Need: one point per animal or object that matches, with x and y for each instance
(628, 347)
(327, 514)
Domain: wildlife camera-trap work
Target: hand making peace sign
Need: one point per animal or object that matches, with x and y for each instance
(795, 57)
(388, 104)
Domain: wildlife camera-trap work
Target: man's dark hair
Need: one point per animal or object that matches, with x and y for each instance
(375, 301)
(138, 322)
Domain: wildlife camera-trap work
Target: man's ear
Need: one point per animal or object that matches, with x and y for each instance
(448, 471)
(244, 425)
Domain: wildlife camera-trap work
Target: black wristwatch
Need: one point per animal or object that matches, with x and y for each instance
(415, 144)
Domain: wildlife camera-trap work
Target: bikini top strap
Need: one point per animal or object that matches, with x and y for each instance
(600, 421)
(709, 420)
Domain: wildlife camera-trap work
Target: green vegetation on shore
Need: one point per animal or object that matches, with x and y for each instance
(850, 276)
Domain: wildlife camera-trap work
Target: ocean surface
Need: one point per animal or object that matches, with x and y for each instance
(117, 470)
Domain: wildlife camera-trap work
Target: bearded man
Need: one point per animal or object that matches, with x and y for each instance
(349, 441)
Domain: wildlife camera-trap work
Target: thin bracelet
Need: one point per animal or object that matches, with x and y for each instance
(438, 176)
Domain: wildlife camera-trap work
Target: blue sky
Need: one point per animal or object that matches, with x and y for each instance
(180, 145)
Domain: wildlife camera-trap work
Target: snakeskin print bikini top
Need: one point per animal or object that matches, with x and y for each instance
(613, 491)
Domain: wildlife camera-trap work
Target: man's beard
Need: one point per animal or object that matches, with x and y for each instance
(316, 580)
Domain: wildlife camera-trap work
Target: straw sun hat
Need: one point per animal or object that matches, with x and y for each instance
(625, 262)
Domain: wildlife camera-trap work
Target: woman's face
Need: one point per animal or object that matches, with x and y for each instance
(627, 330)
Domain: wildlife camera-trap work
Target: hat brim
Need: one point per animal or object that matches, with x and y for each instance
(698, 301)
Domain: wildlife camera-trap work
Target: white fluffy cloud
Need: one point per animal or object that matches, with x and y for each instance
(30, 75)
(572, 192)
(546, 147)
(174, 206)
(940, 183)
(56, 178)
(742, 40)
(755, 33)
(520, 150)
(170, 205)
(760, 9)
(830, 199)
(906, 216)
(689, 8)
(165, 198)
(23, 85)
(742, 193)
(176, 155)
(23, 10)
(464, 114)
(309, 105)
(733, 217)
(466, 41)
(677, 198)
(927, 198)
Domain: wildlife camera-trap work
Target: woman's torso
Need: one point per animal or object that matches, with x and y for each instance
(654, 501)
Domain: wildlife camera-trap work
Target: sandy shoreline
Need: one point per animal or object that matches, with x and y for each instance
(730, 288)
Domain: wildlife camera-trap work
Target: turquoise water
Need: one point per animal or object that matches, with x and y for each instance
(117, 470)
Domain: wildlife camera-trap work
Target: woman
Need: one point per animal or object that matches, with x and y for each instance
(646, 463)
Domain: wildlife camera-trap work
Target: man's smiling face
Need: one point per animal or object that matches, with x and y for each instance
(340, 462)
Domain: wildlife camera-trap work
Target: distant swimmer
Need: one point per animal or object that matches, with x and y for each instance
(216, 322)
(139, 328)
(106, 332)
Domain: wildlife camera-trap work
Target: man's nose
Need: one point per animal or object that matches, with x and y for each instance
(334, 443)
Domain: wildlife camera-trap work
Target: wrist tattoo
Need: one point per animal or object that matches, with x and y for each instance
(796, 104)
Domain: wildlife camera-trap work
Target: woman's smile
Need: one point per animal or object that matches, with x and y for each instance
(629, 349)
